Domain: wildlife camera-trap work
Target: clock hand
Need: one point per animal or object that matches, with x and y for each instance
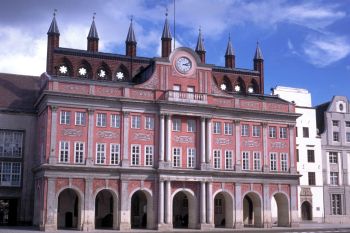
(186, 64)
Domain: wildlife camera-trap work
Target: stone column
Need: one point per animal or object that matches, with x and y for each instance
(51, 205)
(208, 149)
(202, 141)
(168, 138)
(161, 203)
(53, 154)
(168, 202)
(294, 206)
(266, 206)
(125, 161)
(265, 153)
(238, 166)
(89, 220)
(239, 206)
(340, 168)
(91, 126)
(125, 223)
(210, 215)
(203, 207)
(161, 138)
(292, 147)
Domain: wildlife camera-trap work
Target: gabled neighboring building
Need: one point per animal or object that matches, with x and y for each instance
(333, 123)
(309, 156)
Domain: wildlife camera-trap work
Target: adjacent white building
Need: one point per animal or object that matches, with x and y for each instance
(309, 155)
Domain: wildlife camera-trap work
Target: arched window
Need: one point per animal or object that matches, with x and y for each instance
(104, 72)
(65, 68)
(84, 70)
(239, 86)
(253, 87)
(226, 84)
(122, 73)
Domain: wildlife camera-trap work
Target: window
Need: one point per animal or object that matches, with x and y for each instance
(115, 121)
(135, 155)
(191, 126)
(79, 152)
(305, 132)
(64, 152)
(296, 131)
(336, 136)
(297, 155)
(177, 87)
(190, 90)
(347, 136)
(227, 128)
(217, 159)
(218, 206)
(101, 119)
(284, 162)
(115, 154)
(176, 125)
(245, 130)
(65, 118)
(312, 178)
(135, 122)
(80, 118)
(176, 157)
(335, 123)
(256, 130)
(333, 157)
(334, 178)
(311, 156)
(11, 143)
(149, 122)
(228, 159)
(272, 132)
(347, 123)
(257, 163)
(148, 155)
(191, 157)
(336, 204)
(10, 173)
(217, 127)
(283, 132)
(245, 160)
(273, 162)
(100, 153)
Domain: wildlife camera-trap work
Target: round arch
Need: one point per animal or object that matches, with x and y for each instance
(280, 209)
(252, 209)
(306, 211)
(184, 209)
(106, 208)
(142, 203)
(224, 213)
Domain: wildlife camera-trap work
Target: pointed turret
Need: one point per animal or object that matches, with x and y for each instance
(259, 66)
(130, 42)
(200, 50)
(53, 41)
(230, 58)
(92, 38)
(166, 38)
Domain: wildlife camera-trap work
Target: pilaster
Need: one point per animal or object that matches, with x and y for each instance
(210, 205)
(51, 206)
(203, 140)
(267, 206)
(239, 206)
(89, 215)
(125, 223)
(125, 161)
(89, 159)
(238, 166)
(265, 153)
(294, 206)
(168, 138)
(53, 154)
(292, 147)
(208, 145)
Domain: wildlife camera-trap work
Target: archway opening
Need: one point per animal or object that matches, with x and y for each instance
(105, 210)
(252, 210)
(139, 210)
(280, 210)
(184, 210)
(306, 211)
(68, 212)
(223, 210)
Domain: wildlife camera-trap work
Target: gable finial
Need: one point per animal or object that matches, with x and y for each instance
(94, 16)
(54, 12)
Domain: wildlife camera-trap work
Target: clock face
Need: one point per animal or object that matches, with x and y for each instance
(183, 65)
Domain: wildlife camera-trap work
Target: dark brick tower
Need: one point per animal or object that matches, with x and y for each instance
(230, 59)
(92, 39)
(200, 50)
(166, 38)
(130, 42)
(53, 41)
(259, 66)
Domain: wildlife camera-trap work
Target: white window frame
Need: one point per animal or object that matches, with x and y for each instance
(284, 162)
(176, 125)
(333, 157)
(272, 131)
(135, 155)
(149, 152)
(228, 159)
(136, 122)
(101, 120)
(216, 127)
(80, 118)
(245, 160)
(11, 143)
(114, 155)
(8, 175)
(273, 161)
(115, 121)
(217, 159)
(65, 117)
(244, 130)
(334, 178)
(257, 161)
(256, 130)
(64, 152)
(336, 204)
(283, 132)
(191, 157)
(191, 125)
(149, 122)
(176, 156)
(228, 127)
(100, 153)
(79, 152)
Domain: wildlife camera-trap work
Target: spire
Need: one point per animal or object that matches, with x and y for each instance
(93, 31)
(230, 59)
(166, 38)
(166, 30)
(229, 49)
(53, 27)
(131, 35)
(200, 42)
(258, 53)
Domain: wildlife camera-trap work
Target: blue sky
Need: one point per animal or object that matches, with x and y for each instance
(305, 44)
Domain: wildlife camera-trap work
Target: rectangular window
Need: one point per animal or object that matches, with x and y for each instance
(135, 155)
(296, 131)
(305, 132)
(64, 152)
(245, 130)
(11, 143)
(176, 157)
(216, 127)
(312, 178)
(101, 120)
(272, 132)
(115, 121)
(115, 154)
(333, 157)
(148, 155)
(273, 161)
(217, 159)
(79, 151)
(334, 178)
(149, 123)
(100, 153)
(335, 123)
(257, 161)
(311, 156)
(191, 157)
(228, 159)
(284, 162)
(177, 87)
(191, 126)
(297, 155)
(347, 136)
(336, 136)
(347, 123)
(336, 204)
(176, 125)
(80, 118)
(283, 132)
(135, 122)
(10, 173)
(65, 118)
(228, 128)
(256, 131)
(245, 160)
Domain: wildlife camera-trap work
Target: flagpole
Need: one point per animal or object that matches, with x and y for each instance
(174, 25)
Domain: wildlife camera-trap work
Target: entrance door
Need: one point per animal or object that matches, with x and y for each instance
(306, 211)
(139, 210)
(8, 212)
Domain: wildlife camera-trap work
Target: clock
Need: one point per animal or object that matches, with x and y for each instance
(183, 65)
